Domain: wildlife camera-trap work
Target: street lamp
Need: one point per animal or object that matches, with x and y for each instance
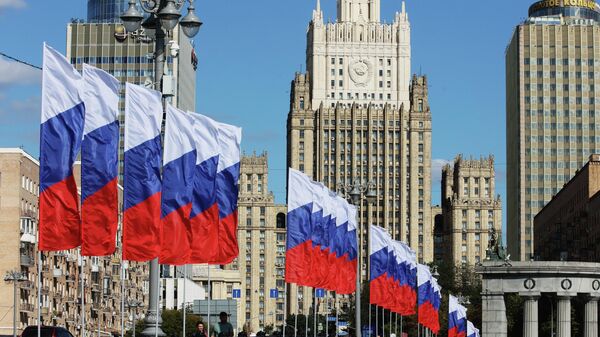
(15, 277)
(356, 192)
(164, 17)
(134, 304)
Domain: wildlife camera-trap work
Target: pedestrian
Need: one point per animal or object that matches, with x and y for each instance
(200, 332)
(223, 328)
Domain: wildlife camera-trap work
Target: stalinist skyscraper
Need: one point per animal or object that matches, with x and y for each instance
(357, 113)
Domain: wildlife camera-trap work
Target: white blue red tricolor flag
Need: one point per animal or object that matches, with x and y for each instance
(99, 163)
(405, 279)
(227, 180)
(61, 132)
(428, 299)
(321, 243)
(380, 256)
(472, 331)
(179, 166)
(457, 318)
(204, 215)
(142, 179)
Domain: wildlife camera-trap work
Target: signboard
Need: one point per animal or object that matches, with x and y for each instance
(590, 4)
(320, 293)
(274, 293)
(330, 318)
(236, 293)
(342, 324)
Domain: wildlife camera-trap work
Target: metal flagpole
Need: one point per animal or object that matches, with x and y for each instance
(82, 294)
(401, 318)
(157, 302)
(122, 298)
(396, 324)
(208, 312)
(337, 320)
(376, 321)
(39, 293)
(327, 313)
(390, 323)
(184, 298)
(297, 312)
(306, 314)
(315, 312)
(284, 323)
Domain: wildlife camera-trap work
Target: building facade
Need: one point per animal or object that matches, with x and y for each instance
(261, 239)
(61, 272)
(552, 66)
(357, 114)
(568, 227)
(470, 209)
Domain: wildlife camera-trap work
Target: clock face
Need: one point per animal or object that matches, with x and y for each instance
(360, 72)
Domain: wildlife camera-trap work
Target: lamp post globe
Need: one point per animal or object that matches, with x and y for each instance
(132, 18)
(191, 22)
(169, 16)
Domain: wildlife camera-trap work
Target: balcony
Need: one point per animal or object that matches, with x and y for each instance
(26, 284)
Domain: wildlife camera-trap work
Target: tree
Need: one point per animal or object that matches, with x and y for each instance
(173, 323)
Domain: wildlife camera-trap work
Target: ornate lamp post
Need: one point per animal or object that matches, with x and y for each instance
(355, 193)
(15, 277)
(164, 17)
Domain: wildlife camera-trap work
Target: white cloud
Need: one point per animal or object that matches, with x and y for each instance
(17, 73)
(436, 170)
(12, 4)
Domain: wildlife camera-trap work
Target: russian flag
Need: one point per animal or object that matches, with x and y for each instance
(204, 215)
(428, 301)
(179, 167)
(407, 278)
(99, 163)
(301, 202)
(141, 180)
(228, 173)
(472, 331)
(457, 319)
(379, 255)
(61, 131)
(345, 249)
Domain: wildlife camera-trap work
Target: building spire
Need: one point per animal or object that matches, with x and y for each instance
(318, 5)
(317, 13)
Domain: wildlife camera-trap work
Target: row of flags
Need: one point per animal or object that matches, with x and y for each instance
(172, 199)
(393, 273)
(458, 325)
(430, 298)
(321, 247)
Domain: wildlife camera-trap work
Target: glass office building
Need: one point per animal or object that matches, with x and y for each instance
(105, 11)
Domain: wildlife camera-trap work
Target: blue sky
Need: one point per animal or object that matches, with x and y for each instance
(249, 51)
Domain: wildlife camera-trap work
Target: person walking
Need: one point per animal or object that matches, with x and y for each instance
(223, 328)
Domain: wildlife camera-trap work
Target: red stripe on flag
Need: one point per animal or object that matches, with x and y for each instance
(227, 242)
(141, 230)
(176, 237)
(428, 317)
(205, 236)
(100, 216)
(60, 225)
(297, 263)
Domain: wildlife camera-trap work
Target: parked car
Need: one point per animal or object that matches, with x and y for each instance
(47, 331)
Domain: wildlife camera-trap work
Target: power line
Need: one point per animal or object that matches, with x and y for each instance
(20, 61)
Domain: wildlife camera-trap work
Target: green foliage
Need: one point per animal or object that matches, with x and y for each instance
(173, 323)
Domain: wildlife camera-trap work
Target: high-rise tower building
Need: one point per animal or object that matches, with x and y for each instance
(552, 64)
(357, 114)
(105, 11)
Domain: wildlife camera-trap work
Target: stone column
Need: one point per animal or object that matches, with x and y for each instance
(590, 328)
(530, 314)
(493, 315)
(564, 316)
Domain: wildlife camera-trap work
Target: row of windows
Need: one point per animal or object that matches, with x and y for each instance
(565, 87)
(564, 100)
(559, 113)
(563, 61)
(357, 96)
(477, 225)
(544, 178)
(340, 61)
(560, 74)
(561, 126)
(563, 139)
(115, 60)
(553, 164)
(477, 213)
(557, 152)
(358, 122)
(29, 185)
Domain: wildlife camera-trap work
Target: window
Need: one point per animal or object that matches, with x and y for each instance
(341, 72)
(332, 60)
(341, 60)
